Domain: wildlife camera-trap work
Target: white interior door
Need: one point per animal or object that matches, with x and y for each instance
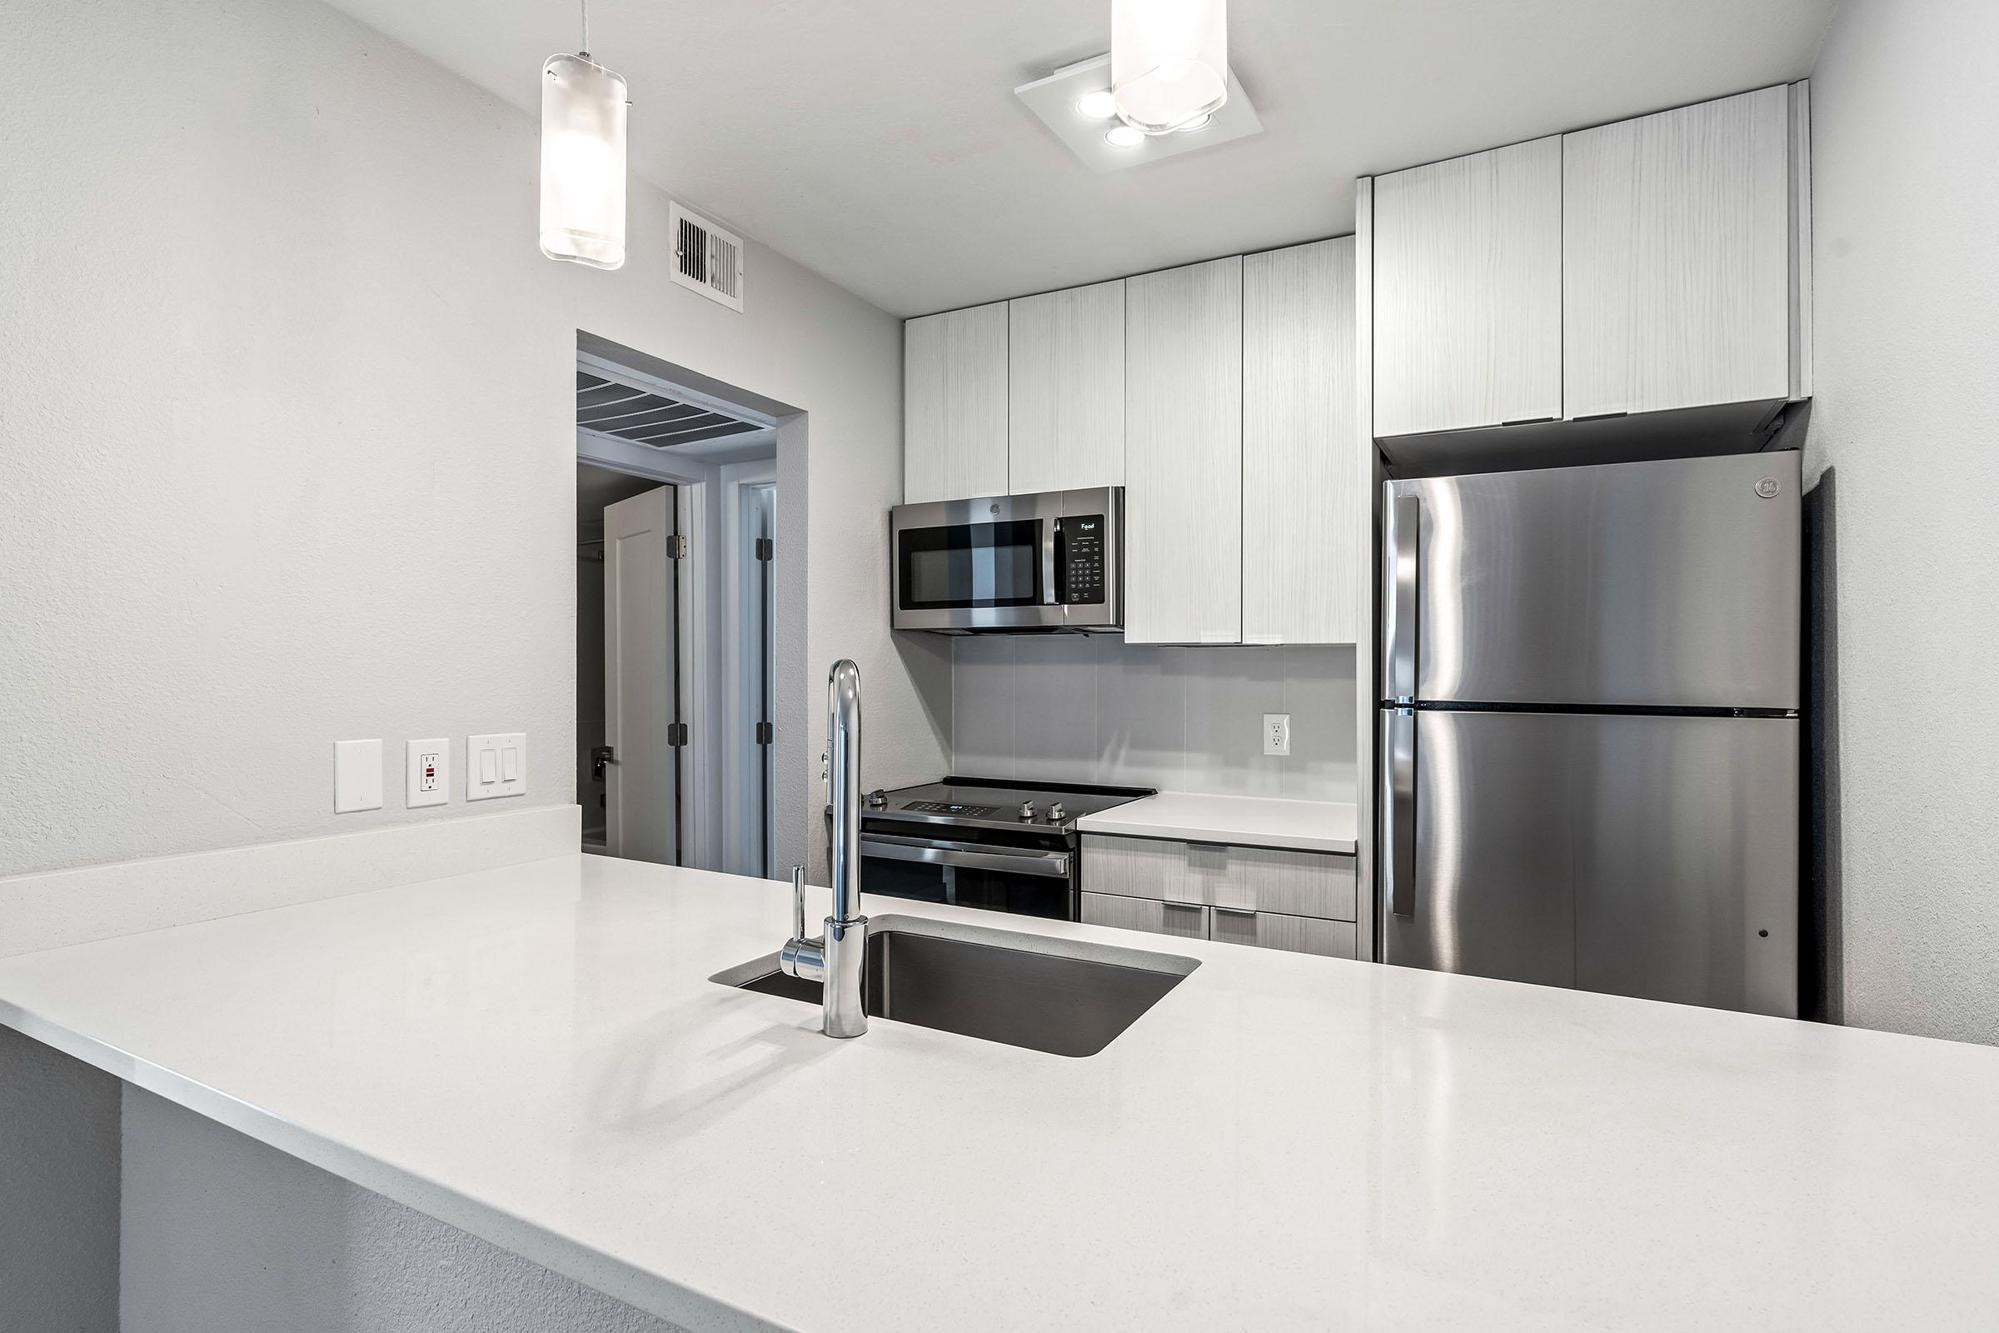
(641, 694)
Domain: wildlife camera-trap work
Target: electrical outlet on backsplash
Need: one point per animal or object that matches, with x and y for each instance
(1092, 708)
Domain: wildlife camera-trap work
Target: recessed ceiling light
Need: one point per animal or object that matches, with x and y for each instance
(1123, 136)
(1099, 105)
(1057, 101)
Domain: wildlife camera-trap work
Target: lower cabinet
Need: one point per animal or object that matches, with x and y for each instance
(1187, 920)
(1262, 896)
(1275, 930)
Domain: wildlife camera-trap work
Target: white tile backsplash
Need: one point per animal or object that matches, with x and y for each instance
(1092, 708)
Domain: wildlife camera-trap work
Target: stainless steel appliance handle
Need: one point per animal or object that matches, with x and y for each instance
(970, 856)
(1049, 525)
(1398, 808)
(1404, 597)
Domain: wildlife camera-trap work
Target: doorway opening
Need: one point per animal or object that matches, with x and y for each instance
(676, 493)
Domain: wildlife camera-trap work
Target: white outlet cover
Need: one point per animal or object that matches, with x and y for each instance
(496, 765)
(1277, 733)
(357, 776)
(427, 772)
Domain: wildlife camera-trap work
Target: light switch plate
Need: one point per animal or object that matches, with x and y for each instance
(427, 772)
(1277, 733)
(357, 776)
(496, 765)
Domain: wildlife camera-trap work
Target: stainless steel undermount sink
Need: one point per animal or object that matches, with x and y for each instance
(1044, 994)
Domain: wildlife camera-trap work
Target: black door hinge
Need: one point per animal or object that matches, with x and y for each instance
(765, 548)
(764, 736)
(676, 734)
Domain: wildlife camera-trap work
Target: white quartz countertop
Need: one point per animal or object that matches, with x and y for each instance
(1247, 821)
(536, 1054)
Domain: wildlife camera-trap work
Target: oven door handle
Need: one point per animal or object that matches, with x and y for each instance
(971, 856)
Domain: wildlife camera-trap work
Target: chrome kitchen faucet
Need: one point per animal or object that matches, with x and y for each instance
(837, 959)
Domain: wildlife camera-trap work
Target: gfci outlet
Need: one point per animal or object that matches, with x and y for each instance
(1277, 733)
(428, 779)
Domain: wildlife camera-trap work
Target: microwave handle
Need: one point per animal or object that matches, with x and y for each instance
(1051, 536)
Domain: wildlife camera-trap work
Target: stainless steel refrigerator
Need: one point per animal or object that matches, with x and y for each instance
(1589, 731)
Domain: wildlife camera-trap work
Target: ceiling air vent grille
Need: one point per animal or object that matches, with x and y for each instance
(707, 259)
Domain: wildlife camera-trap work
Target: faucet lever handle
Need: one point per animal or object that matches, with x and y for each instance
(798, 902)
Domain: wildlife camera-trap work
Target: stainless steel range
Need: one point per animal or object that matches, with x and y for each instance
(983, 842)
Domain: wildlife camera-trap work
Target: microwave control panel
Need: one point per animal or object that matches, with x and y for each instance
(1080, 538)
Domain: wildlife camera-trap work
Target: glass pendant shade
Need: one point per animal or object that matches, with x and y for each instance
(1169, 61)
(582, 162)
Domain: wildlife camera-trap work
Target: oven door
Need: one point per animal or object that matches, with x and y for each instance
(1026, 881)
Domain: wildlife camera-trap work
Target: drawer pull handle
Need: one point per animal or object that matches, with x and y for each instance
(1236, 911)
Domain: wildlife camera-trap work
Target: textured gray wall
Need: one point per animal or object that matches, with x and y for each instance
(224, 1234)
(1905, 127)
(59, 1183)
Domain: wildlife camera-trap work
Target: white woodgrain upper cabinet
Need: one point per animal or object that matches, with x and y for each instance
(1183, 455)
(1468, 291)
(1676, 258)
(1065, 389)
(1300, 440)
(954, 404)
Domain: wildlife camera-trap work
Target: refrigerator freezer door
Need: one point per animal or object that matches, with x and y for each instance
(1642, 855)
(1671, 584)
(1488, 889)
(1686, 862)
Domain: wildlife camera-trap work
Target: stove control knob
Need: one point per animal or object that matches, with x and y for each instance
(1056, 814)
(1027, 809)
(877, 799)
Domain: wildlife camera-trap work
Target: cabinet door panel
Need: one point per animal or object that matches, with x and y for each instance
(1294, 883)
(1468, 291)
(1300, 483)
(1147, 914)
(954, 404)
(1183, 455)
(1065, 390)
(1276, 930)
(1676, 258)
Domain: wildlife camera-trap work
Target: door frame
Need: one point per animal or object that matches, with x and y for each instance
(702, 779)
(743, 852)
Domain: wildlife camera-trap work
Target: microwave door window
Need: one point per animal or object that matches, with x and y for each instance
(971, 565)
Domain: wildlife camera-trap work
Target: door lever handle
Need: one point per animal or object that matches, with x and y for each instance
(599, 757)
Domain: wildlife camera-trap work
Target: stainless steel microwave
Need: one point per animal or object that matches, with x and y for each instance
(1009, 563)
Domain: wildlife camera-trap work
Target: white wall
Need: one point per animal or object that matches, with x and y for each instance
(1905, 129)
(286, 433)
(1092, 708)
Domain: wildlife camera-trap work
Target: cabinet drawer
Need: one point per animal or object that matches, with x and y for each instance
(1317, 884)
(1186, 920)
(1277, 930)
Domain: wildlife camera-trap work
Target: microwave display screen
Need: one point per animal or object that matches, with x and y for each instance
(971, 565)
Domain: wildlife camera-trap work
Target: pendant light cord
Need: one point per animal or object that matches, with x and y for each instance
(584, 5)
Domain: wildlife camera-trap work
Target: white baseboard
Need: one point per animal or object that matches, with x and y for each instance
(50, 909)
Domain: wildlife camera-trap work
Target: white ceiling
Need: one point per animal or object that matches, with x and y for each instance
(880, 143)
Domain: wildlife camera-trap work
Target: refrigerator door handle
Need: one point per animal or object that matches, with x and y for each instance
(1398, 806)
(1404, 592)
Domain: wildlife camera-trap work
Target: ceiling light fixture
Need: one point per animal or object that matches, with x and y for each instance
(1123, 136)
(1098, 105)
(582, 158)
(1169, 61)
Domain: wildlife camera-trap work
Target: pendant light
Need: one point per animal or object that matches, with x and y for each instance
(582, 159)
(1169, 61)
